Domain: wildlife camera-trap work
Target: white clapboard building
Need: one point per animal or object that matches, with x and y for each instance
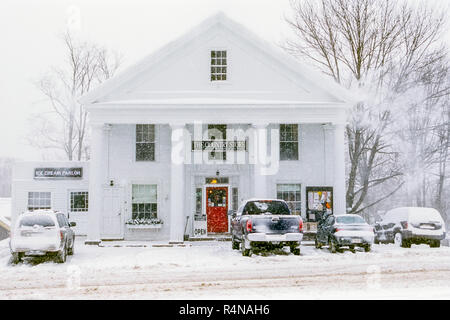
(179, 139)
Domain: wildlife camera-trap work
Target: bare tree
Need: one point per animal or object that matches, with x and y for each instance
(374, 47)
(87, 65)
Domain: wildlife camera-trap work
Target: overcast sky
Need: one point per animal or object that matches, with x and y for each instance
(29, 33)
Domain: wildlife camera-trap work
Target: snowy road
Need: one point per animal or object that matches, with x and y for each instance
(211, 270)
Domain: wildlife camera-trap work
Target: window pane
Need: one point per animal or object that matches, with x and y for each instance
(39, 200)
(291, 194)
(144, 198)
(145, 138)
(218, 58)
(198, 200)
(288, 151)
(145, 152)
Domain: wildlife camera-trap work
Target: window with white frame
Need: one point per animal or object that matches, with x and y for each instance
(288, 142)
(79, 201)
(217, 132)
(145, 142)
(291, 193)
(39, 200)
(218, 65)
(235, 198)
(144, 201)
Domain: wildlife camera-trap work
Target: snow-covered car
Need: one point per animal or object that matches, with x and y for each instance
(345, 230)
(411, 225)
(265, 223)
(40, 233)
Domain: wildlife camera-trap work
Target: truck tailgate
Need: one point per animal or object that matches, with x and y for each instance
(275, 224)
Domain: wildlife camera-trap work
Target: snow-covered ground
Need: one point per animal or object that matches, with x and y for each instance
(211, 270)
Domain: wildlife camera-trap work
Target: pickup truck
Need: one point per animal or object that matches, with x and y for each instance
(265, 223)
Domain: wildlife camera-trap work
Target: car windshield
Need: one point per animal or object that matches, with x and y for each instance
(266, 207)
(350, 219)
(39, 220)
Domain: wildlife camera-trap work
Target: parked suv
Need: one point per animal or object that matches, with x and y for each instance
(40, 233)
(349, 230)
(411, 225)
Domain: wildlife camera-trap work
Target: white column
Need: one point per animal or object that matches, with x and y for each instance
(260, 156)
(97, 167)
(177, 184)
(339, 201)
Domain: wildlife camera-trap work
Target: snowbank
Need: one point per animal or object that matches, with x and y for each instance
(212, 270)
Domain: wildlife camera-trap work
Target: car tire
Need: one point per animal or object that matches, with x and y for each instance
(16, 257)
(234, 244)
(435, 244)
(333, 246)
(317, 244)
(61, 257)
(406, 244)
(367, 248)
(295, 251)
(71, 250)
(245, 252)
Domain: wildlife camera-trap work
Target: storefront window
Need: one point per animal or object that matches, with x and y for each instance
(291, 193)
(319, 202)
(288, 142)
(144, 201)
(79, 201)
(39, 200)
(145, 142)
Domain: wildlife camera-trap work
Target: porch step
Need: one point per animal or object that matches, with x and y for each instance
(218, 237)
(307, 237)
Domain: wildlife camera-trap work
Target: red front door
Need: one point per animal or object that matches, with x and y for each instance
(217, 209)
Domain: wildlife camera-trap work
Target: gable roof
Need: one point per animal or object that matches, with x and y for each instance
(319, 80)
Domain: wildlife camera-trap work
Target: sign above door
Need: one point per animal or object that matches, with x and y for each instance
(216, 145)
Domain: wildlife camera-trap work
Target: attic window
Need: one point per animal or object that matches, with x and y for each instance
(218, 65)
